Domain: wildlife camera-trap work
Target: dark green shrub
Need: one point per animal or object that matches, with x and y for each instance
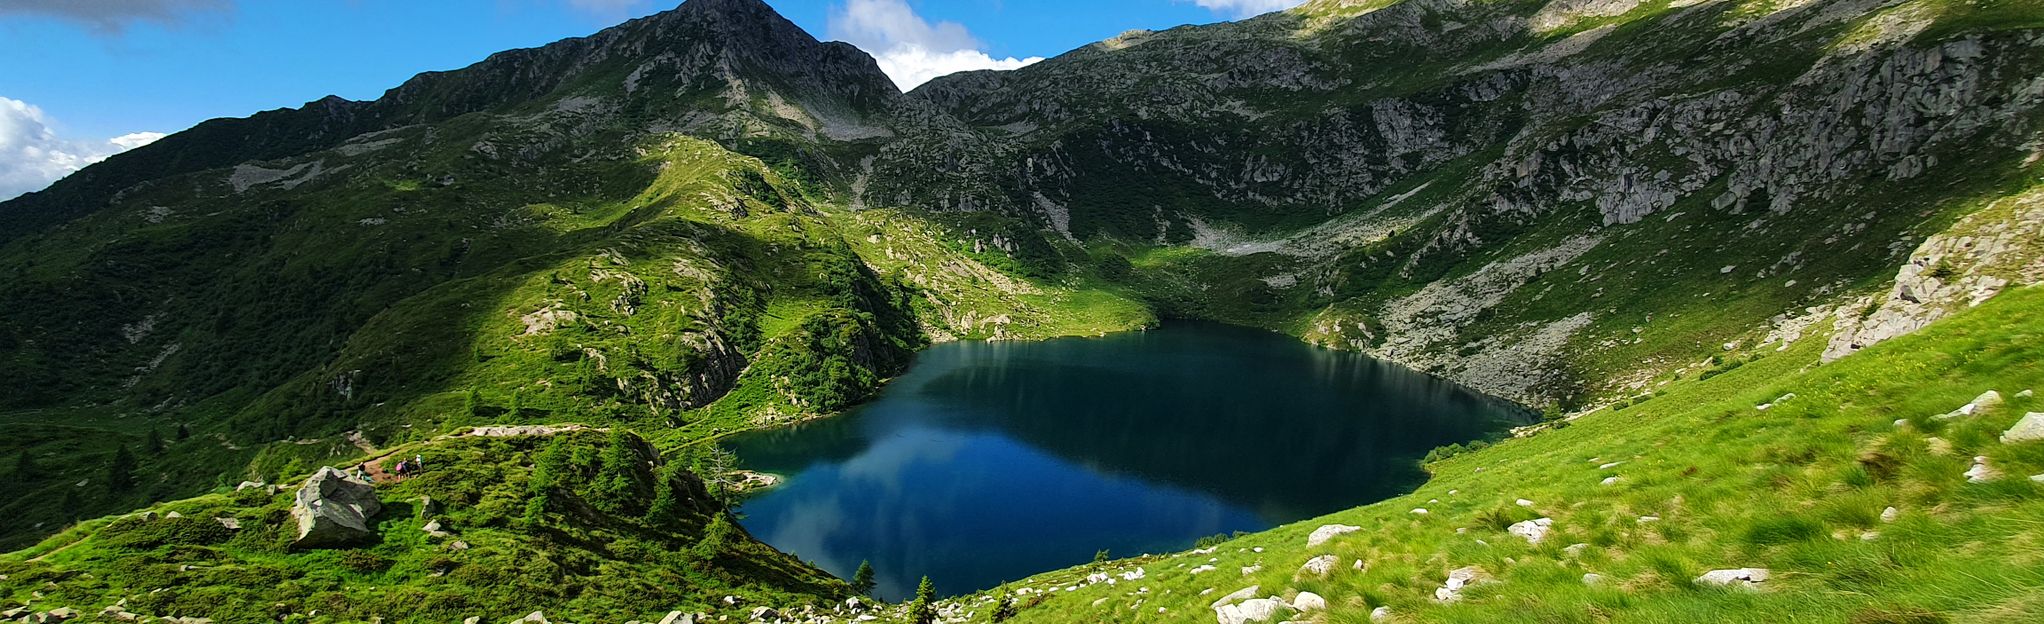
(363, 561)
(1782, 530)
(138, 534)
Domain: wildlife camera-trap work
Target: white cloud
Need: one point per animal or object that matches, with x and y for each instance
(909, 48)
(113, 16)
(608, 8)
(1247, 8)
(32, 155)
(133, 140)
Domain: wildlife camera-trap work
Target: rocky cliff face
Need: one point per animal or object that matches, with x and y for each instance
(1463, 149)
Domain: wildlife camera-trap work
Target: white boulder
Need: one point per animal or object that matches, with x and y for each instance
(1307, 602)
(1328, 532)
(2029, 429)
(1745, 578)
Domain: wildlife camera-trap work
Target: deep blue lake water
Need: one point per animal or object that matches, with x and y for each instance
(989, 462)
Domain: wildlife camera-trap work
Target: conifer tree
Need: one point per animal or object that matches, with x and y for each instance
(120, 471)
(153, 443)
(619, 477)
(862, 580)
(923, 612)
(717, 538)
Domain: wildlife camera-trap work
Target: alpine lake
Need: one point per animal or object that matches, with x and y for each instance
(990, 462)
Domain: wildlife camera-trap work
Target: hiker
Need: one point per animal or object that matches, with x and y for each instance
(400, 468)
(419, 462)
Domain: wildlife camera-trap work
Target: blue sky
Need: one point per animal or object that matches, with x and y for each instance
(84, 79)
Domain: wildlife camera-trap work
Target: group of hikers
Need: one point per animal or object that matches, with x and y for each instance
(408, 467)
(404, 468)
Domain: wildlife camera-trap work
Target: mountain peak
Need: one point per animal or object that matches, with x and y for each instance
(727, 6)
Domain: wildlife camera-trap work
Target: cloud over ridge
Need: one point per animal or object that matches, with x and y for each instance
(910, 49)
(32, 155)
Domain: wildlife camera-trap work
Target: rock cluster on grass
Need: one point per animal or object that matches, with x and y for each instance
(1532, 530)
(1459, 580)
(1241, 606)
(334, 510)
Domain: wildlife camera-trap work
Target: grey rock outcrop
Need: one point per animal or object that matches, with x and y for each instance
(333, 509)
(2029, 429)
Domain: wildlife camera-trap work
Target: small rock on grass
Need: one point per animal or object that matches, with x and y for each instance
(1745, 578)
(1328, 532)
(1981, 472)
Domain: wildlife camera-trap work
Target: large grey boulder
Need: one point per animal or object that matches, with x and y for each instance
(2029, 429)
(334, 510)
(1328, 532)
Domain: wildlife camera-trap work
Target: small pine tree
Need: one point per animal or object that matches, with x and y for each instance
(862, 580)
(1005, 609)
(1100, 557)
(120, 471)
(152, 443)
(923, 612)
(666, 504)
(183, 432)
(717, 538)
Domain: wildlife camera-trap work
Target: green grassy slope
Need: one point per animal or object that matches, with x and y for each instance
(1798, 488)
(711, 296)
(583, 525)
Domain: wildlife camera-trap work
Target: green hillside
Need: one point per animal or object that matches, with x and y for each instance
(1646, 219)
